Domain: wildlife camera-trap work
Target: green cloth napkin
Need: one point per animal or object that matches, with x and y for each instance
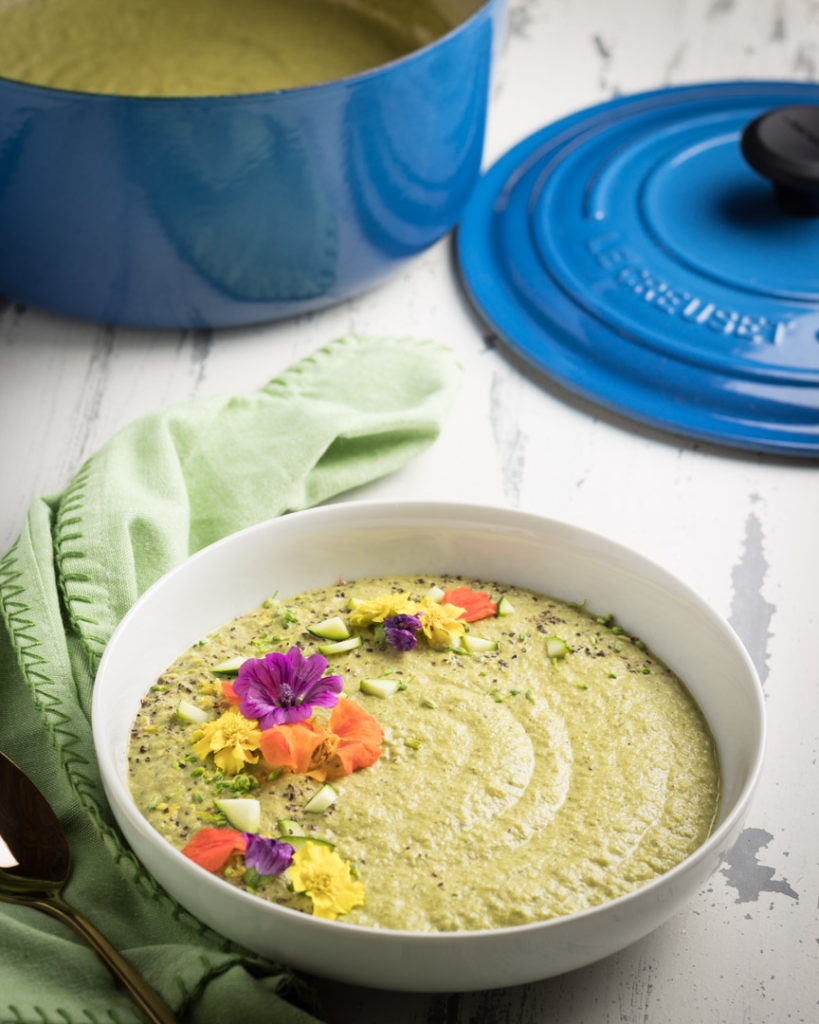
(163, 487)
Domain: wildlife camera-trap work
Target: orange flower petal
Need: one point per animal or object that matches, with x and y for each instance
(212, 848)
(230, 695)
(305, 748)
(292, 745)
(475, 603)
(360, 738)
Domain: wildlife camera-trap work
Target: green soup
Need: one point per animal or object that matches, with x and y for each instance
(206, 47)
(541, 763)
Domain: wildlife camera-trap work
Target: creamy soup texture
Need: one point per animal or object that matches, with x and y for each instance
(536, 761)
(206, 47)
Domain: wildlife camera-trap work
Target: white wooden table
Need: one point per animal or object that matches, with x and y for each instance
(739, 528)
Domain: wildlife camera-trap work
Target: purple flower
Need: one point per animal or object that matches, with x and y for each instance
(267, 856)
(285, 687)
(400, 630)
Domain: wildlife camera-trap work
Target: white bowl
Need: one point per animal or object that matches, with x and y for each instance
(357, 539)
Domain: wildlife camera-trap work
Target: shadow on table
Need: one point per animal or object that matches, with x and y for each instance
(573, 996)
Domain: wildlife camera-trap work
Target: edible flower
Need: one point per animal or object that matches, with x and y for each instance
(384, 606)
(475, 603)
(352, 741)
(212, 849)
(231, 738)
(359, 739)
(267, 856)
(400, 630)
(282, 688)
(327, 879)
(442, 623)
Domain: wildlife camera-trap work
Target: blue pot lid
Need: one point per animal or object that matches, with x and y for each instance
(634, 253)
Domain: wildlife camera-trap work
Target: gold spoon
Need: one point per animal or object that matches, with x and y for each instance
(34, 862)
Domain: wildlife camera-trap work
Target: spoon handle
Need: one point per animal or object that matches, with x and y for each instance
(152, 1005)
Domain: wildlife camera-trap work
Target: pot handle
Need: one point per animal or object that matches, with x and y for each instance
(783, 146)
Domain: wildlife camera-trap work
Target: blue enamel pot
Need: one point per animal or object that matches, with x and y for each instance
(212, 212)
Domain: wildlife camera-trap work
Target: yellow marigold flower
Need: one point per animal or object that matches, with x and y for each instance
(319, 872)
(441, 624)
(382, 607)
(232, 739)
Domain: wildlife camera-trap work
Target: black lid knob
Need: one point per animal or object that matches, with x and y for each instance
(783, 145)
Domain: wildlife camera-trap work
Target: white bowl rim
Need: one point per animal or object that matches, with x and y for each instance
(711, 847)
